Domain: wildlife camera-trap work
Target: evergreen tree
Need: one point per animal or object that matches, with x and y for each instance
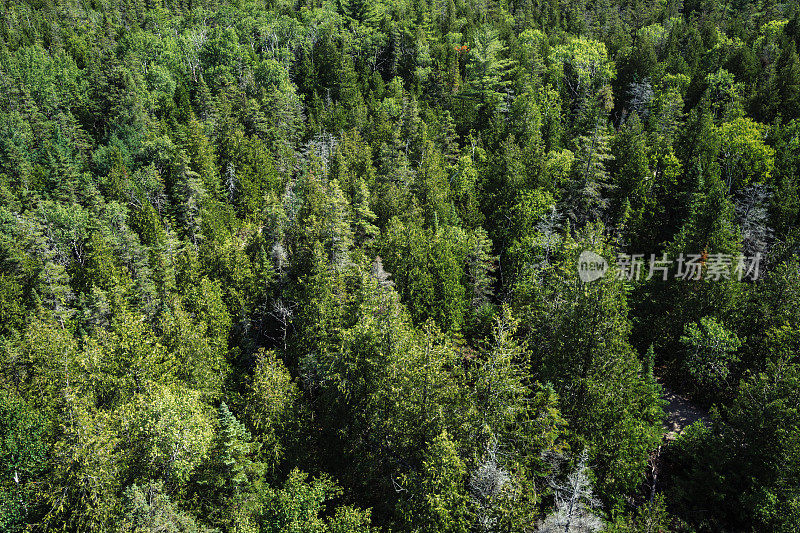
(787, 84)
(231, 471)
(586, 198)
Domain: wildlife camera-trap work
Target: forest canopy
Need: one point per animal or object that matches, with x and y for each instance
(314, 266)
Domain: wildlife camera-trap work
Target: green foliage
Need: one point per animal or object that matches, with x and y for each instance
(710, 354)
(500, 387)
(586, 196)
(148, 509)
(651, 517)
(443, 503)
(169, 434)
(231, 473)
(24, 456)
(427, 267)
(724, 95)
(486, 70)
(745, 157)
(296, 508)
(578, 337)
(270, 403)
(752, 451)
(350, 230)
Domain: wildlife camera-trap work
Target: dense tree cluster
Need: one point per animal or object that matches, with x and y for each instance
(271, 266)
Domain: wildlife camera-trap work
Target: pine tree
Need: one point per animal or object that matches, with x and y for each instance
(234, 451)
(361, 11)
(479, 269)
(232, 470)
(499, 384)
(587, 195)
(631, 169)
(487, 71)
(787, 84)
(444, 503)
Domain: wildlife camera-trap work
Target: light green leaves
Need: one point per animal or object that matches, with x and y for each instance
(581, 66)
(711, 353)
(745, 156)
(168, 433)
